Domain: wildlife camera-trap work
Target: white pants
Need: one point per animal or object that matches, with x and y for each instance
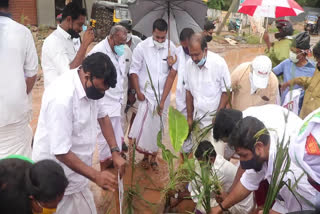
(78, 203)
(16, 138)
(103, 147)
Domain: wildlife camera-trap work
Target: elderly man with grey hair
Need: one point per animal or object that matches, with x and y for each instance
(114, 46)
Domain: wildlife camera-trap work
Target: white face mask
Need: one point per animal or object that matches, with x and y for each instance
(158, 44)
(129, 37)
(253, 87)
(293, 57)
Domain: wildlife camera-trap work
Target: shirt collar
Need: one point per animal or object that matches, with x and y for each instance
(78, 85)
(151, 43)
(63, 33)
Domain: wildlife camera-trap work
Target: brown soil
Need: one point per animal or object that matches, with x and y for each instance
(147, 182)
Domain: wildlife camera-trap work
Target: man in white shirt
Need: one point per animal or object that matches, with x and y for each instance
(132, 40)
(151, 55)
(183, 57)
(67, 130)
(113, 46)
(305, 151)
(19, 66)
(207, 79)
(257, 156)
(59, 53)
(222, 170)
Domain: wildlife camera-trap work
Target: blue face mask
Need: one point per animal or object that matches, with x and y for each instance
(202, 61)
(84, 28)
(119, 49)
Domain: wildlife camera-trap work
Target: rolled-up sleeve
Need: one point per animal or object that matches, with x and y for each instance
(59, 121)
(137, 60)
(31, 60)
(102, 110)
(251, 179)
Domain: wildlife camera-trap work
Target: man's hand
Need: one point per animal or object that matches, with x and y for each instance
(160, 109)
(171, 60)
(216, 210)
(220, 198)
(284, 86)
(119, 163)
(106, 180)
(131, 99)
(140, 96)
(88, 37)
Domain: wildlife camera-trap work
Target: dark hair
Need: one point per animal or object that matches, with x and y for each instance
(13, 194)
(4, 3)
(99, 65)
(160, 24)
(205, 150)
(185, 34)
(285, 28)
(46, 181)
(74, 10)
(127, 24)
(209, 26)
(226, 120)
(244, 134)
(316, 50)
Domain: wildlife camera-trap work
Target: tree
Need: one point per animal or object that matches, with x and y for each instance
(216, 4)
(308, 3)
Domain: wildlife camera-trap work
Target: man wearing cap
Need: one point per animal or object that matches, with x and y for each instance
(311, 86)
(298, 64)
(279, 50)
(113, 46)
(253, 84)
(305, 151)
(207, 80)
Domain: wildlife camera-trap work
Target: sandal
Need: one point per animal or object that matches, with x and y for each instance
(154, 166)
(145, 163)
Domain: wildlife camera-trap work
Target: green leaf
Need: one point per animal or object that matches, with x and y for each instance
(178, 128)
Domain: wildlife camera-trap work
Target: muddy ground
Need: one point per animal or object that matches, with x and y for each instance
(147, 182)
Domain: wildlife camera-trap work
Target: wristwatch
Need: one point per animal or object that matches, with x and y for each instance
(115, 149)
(132, 91)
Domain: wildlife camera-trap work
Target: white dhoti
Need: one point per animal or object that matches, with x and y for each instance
(146, 126)
(77, 203)
(16, 138)
(103, 146)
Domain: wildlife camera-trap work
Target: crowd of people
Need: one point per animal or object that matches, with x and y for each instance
(123, 86)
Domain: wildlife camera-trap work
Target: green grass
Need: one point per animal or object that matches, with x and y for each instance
(252, 39)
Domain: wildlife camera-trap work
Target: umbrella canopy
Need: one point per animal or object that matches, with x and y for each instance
(183, 13)
(270, 8)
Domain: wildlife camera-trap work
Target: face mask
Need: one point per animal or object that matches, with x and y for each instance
(202, 61)
(93, 93)
(119, 49)
(84, 28)
(129, 37)
(186, 50)
(73, 33)
(293, 57)
(158, 44)
(208, 38)
(46, 210)
(254, 163)
(253, 87)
